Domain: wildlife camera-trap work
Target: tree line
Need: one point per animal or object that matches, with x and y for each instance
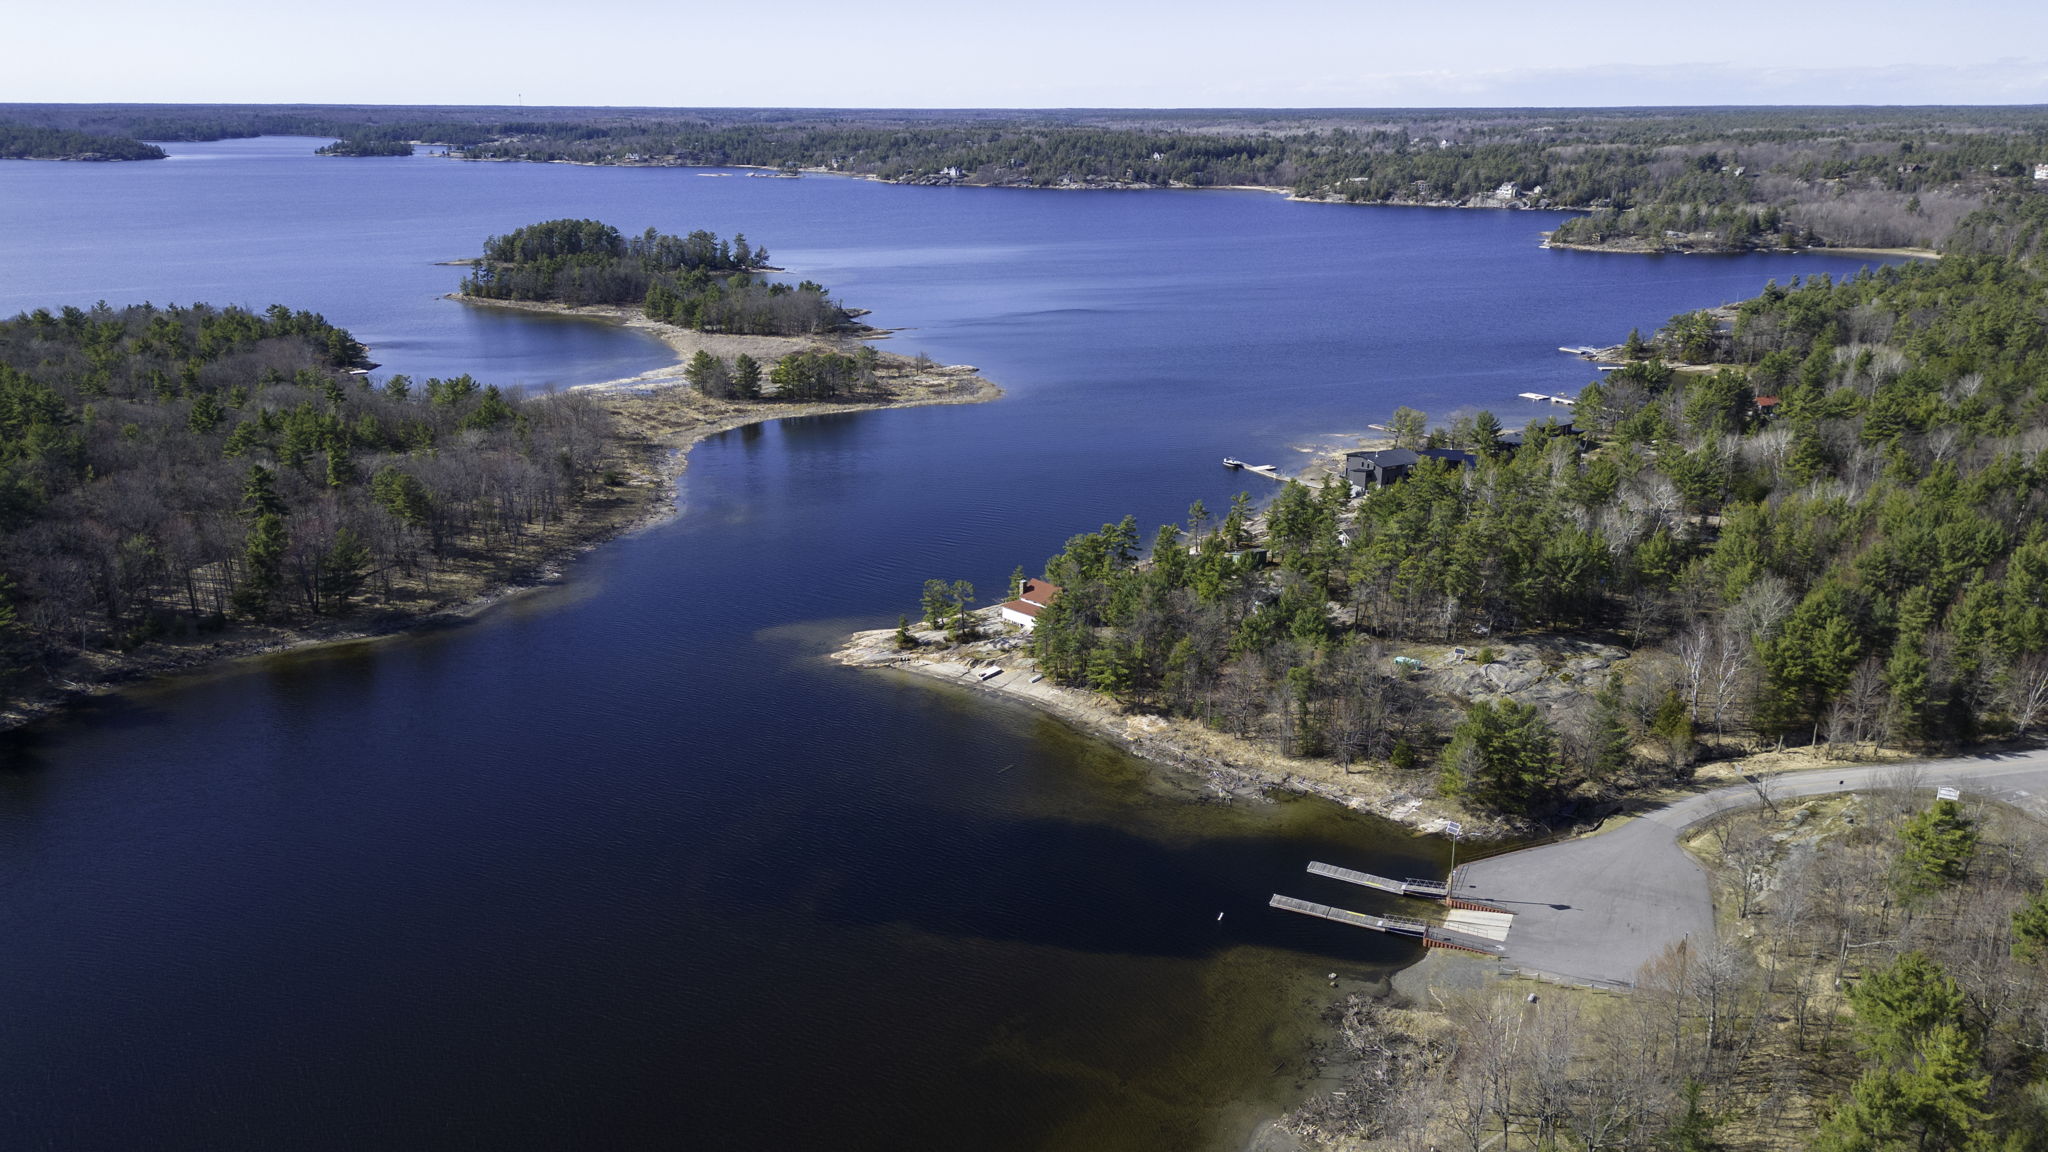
(166, 470)
(1824, 513)
(28, 142)
(812, 375)
(1653, 178)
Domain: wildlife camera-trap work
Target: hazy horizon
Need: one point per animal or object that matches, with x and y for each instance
(919, 54)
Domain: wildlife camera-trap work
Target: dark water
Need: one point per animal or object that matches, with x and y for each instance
(624, 863)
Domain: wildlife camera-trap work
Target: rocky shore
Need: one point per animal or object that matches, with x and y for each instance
(1225, 766)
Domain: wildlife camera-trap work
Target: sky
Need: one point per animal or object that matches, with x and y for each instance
(1048, 54)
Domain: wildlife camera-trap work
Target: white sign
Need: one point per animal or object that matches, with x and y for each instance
(1453, 829)
(1947, 794)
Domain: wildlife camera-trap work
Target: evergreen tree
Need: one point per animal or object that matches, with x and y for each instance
(936, 603)
(746, 377)
(1933, 1100)
(966, 625)
(2030, 929)
(259, 493)
(1502, 757)
(1900, 1005)
(1693, 1131)
(344, 570)
(709, 374)
(1613, 744)
(1940, 843)
(257, 596)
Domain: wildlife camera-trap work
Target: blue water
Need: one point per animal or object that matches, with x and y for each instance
(625, 863)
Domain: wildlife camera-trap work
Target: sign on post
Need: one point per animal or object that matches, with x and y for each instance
(1947, 794)
(1453, 829)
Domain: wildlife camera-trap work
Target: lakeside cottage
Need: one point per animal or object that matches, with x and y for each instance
(1378, 469)
(1389, 465)
(1366, 470)
(1035, 597)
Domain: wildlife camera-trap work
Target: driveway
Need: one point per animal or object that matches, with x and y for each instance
(1596, 909)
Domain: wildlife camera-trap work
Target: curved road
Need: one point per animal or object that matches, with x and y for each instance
(1596, 909)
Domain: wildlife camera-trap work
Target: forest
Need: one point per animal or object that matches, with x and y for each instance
(1649, 179)
(26, 142)
(363, 146)
(1822, 515)
(696, 281)
(166, 471)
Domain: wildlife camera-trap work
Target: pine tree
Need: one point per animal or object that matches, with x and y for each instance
(1613, 750)
(936, 603)
(746, 377)
(259, 493)
(1900, 1005)
(262, 567)
(1940, 843)
(1693, 1131)
(344, 570)
(1502, 756)
(2030, 929)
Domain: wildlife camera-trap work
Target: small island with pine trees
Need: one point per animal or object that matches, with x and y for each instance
(748, 348)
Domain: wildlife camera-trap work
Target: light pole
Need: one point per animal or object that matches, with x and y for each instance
(1455, 830)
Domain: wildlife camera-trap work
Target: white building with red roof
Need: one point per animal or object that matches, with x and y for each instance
(1035, 597)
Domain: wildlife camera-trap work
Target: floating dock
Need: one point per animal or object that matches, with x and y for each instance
(1394, 925)
(1542, 396)
(1430, 935)
(1427, 889)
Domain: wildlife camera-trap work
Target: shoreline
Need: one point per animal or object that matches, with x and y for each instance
(653, 431)
(1219, 765)
(1635, 246)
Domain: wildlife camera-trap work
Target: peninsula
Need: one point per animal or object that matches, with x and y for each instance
(183, 486)
(1814, 521)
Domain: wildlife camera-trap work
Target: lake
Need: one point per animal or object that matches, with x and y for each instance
(625, 862)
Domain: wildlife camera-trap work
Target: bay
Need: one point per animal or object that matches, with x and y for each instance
(626, 862)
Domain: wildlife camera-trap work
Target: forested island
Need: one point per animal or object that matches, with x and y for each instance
(1649, 179)
(363, 146)
(29, 142)
(697, 281)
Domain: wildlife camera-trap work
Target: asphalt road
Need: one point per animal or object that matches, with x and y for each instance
(1596, 909)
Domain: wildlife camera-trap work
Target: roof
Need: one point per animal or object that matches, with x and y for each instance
(1384, 458)
(1451, 456)
(1039, 593)
(1021, 607)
